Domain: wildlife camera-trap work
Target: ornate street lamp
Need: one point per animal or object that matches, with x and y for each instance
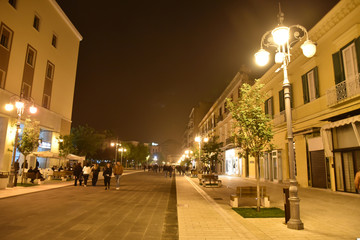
(116, 145)
(122, 150)
(20, 104)
(283, 38)
(199, 139)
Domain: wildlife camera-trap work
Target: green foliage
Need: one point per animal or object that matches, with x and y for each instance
(29, 140)
(86, 141)
(211, 151)
(265, 212)
(66, 145)
(138, 153)
(252, 128)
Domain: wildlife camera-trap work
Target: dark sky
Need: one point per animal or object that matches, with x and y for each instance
(143, 64)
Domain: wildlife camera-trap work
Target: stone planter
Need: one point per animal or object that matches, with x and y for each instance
(4, 179)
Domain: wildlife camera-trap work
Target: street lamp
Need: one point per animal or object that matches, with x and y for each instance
(199, 139)
(116, 145)
(283, 38)
(122, 150)
(20, 104)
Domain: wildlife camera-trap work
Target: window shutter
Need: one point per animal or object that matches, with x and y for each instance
(316, 79)
(272, 107)
(338, 67)
(281, 100)
(305, 88)
(357, 48)
(267, 107)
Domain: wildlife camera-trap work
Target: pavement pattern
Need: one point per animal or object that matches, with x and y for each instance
(143, 208)
(150, 206)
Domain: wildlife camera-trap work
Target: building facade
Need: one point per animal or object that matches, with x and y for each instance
(325, 109)
(38, 60)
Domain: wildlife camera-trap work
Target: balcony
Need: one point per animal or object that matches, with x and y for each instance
(343, 91)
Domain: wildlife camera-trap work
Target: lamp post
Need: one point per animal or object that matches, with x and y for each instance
(283, 38)
(199, 139)
(122, 150)
(116, 145)
(19, 104)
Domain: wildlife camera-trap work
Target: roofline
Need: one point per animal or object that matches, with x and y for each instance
(66, 19)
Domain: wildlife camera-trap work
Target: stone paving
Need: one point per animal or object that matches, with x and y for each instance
(325, 214)
(137, 211)
(150, 206)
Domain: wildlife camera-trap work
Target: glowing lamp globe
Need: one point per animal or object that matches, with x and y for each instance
(281, 35)
(9, 107)
(308, 48)
(262, 57)
(33, 109)
(19, 105)
(279, 57)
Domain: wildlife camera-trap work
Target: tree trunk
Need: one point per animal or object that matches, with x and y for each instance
(257, 182)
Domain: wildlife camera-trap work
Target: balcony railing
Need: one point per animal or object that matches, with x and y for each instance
(344, 90)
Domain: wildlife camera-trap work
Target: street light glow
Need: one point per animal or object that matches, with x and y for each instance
(9, 107)
(262, 57)
(308, 48)
(280, 35)
(33, 109)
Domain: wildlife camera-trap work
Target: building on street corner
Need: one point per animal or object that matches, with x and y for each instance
(38, 61)
(325, 110)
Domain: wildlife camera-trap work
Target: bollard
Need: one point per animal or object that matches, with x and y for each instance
(286, 204)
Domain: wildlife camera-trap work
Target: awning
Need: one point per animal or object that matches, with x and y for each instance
(75, 157)
(46, 154)
(326, 133)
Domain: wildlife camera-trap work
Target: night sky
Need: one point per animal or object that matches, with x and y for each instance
(143, 64)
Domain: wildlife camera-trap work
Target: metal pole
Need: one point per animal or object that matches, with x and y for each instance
(12, 169)
(295, 221)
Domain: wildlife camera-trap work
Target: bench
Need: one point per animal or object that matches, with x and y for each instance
(33, 175)
(209, 180)
(249, 192)
(62, 174)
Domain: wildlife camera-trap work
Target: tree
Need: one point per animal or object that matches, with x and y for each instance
(29, 140)
(211, 151)
(252, 129)
(86, 141)
(66, 145)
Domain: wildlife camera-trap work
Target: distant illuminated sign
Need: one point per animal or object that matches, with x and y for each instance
(154, 144)
(45, 145)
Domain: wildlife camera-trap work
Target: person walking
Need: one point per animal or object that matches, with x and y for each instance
(170, 171)
(107, 175)
(86, 172)
(118, 171)
(95, 170)
(78, 174)
(357, 181)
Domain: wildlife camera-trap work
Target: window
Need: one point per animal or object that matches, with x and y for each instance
(225, 107)
(30, 56)
(36, 22)
(346, 62)
(26, 90)
(220, 111)
(310, 83)
(269, 107)
(2, 79)
(282, 99)
(54, 41)
(6, 35)
(12, 3)
(46, 101)
(50, 70)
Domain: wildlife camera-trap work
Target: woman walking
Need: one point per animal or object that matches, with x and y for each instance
(86, 172)
(95, 171)
(107, 175)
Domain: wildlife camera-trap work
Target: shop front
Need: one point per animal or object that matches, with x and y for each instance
(342, 143)
(233, 164)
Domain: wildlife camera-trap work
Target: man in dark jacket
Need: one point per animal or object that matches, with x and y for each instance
(78, 174)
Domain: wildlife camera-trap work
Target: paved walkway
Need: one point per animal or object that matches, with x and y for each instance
(48, 185)
(152, 209)
(326, 214)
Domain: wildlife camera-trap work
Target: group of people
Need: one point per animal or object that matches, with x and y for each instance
(82, 174)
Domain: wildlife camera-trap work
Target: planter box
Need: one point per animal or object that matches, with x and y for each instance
(3, 182)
